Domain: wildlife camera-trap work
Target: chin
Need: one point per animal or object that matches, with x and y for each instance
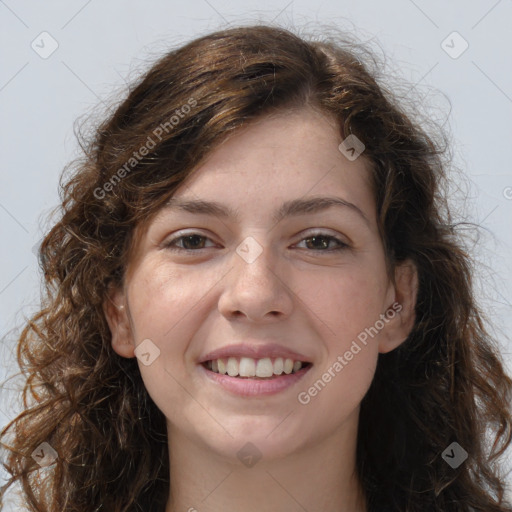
(265, 440)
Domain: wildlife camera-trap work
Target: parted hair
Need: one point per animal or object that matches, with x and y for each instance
(446, 383)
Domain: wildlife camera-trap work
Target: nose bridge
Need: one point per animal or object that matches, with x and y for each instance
(254, 265)
(253, 286)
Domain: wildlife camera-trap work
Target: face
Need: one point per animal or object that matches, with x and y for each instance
(268, 273)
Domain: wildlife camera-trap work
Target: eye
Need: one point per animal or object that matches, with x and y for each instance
(320, 242)
(189, 242)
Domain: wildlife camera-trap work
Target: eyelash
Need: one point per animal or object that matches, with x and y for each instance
(341, 245)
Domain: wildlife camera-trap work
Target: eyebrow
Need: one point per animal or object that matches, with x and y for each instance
(289, 208)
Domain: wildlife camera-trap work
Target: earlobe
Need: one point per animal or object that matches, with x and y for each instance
(402, 320)
(117, 316)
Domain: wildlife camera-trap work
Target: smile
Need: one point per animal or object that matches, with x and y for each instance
(245, 376)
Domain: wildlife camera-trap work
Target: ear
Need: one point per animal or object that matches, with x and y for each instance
(400, 315)
(116, 312)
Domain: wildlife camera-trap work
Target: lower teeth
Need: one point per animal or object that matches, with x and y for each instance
(261, 378)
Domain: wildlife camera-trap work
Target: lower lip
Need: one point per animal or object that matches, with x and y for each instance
(255, 387)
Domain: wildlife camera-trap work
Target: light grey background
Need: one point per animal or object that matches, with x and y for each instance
(103, 43)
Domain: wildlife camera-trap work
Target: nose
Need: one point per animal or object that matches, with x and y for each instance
(255, 289)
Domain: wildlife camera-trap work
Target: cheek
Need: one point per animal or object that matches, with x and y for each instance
(161, 296)
(337, 391)
(162, 304)
(347, 314)
(345, 301)
(333, 396)
(347, 304)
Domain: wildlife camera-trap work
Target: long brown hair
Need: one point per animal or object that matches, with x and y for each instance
(444, 384)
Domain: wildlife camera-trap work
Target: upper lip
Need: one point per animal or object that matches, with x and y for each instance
(255, 351)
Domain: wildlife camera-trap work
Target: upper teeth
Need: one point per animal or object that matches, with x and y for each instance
(249, 367)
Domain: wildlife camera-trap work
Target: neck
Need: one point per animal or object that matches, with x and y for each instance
(317, 477)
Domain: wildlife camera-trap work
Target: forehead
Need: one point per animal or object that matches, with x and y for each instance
(278, 158)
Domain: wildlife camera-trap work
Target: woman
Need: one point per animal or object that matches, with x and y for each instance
(257, 301)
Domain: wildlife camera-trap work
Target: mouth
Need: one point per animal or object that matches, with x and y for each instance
(266, 368)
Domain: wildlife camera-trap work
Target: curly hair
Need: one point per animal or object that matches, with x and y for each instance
(445, 383)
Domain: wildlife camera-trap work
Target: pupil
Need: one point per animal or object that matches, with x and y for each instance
(324, 241)
(187, 239)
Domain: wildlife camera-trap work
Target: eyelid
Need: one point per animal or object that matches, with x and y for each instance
(324, 232)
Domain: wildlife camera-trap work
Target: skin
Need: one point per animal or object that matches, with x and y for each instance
(297, 293)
